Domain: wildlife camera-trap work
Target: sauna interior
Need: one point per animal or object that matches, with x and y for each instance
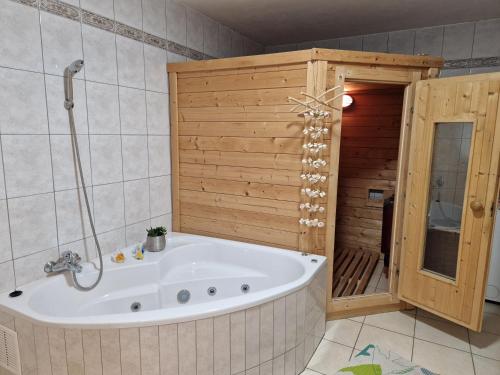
(369, 149)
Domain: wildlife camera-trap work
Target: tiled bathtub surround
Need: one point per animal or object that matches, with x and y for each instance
(470, 47)
(122, 120)
(277, 337)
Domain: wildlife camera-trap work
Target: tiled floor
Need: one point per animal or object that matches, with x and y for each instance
(423, 338)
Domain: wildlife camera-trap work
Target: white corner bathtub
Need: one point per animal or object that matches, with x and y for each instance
(277, 321)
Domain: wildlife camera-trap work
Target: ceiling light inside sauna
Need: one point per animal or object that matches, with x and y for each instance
(347, 101)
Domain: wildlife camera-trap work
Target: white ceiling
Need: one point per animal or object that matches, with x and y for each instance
(273, 22)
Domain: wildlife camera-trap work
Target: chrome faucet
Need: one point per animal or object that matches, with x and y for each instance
(68, 261)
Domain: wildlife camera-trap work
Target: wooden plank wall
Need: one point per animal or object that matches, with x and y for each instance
(239, 154)
(368, 160)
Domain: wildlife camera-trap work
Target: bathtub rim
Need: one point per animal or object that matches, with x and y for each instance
(153, 317)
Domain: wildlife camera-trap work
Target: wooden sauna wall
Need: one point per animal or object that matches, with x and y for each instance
(239, 154)
(368, 160)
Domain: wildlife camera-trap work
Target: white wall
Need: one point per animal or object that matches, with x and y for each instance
(122, 119)
(453, 42)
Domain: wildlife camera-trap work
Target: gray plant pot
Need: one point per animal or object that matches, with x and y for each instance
(157, 243)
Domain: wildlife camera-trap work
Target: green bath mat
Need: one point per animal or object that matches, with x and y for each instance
(372, 360)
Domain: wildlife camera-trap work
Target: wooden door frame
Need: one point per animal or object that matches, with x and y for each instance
(382, 302)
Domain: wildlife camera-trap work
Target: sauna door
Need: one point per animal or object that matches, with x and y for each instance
(450, 196)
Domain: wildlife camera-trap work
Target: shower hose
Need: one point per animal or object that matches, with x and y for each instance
(69, 104)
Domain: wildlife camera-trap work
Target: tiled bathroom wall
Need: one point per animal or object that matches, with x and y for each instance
(457, 43)
(122, 118)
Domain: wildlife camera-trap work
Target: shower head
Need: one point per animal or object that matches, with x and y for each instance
(74, 67)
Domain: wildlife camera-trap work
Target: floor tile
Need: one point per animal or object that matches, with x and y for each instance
(441, 332)
(329, 357)
(492, 308)
(310, 372)
(395, 342)
(486, 366)
(397, 321)
(360, 319)
(491, 323)
(442, 360)
(427, 314)
(485, 344)
(343, 331)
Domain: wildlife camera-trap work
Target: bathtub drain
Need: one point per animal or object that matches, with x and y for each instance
(212, 291)
(135, 307)
(245, 288)
(183, 296)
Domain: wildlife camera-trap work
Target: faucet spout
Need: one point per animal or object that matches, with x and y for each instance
(68, 261)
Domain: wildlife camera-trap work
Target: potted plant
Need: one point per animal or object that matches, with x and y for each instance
(156, 239)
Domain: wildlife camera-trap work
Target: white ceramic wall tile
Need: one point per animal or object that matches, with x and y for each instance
(136, 233)
(57, 347)
(132, 111)
(72, 219)
(155, 61)
(20, 37)
(160, 196)
(457, 43)
(130, 352)
(22, 102)
(110, 347)
(162, 221)
(176, 22)
(41, 337)
(375, 42)
(74, 351)
(154, 17)
(38, 213)
(109, 207)
(402, 42)
(194, 29)
(29, 268)
(279, 365)
(187, 348)
(266, 331)
(99, 48)
(279, 326)
(486, 38)
(354, 43)
(6, 276)
(237, 329)
(205, 347)
(129, 12)
(158, 113)
(5, 246)
(28, 168)
(210, 36)
(3, 194)
(27, 349)
(103, 107)
(252, 337)
(64, 163)
(106, 156)
(102, 7)
(159, 155)
(169, 356)
(290, 362)
(429, 41)
(62, 43)
(135, 156)
(150, 353)
(224, 41)
(57, 114)
(136, 201)
(130, 56)
(222, 343)
(91, 340)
